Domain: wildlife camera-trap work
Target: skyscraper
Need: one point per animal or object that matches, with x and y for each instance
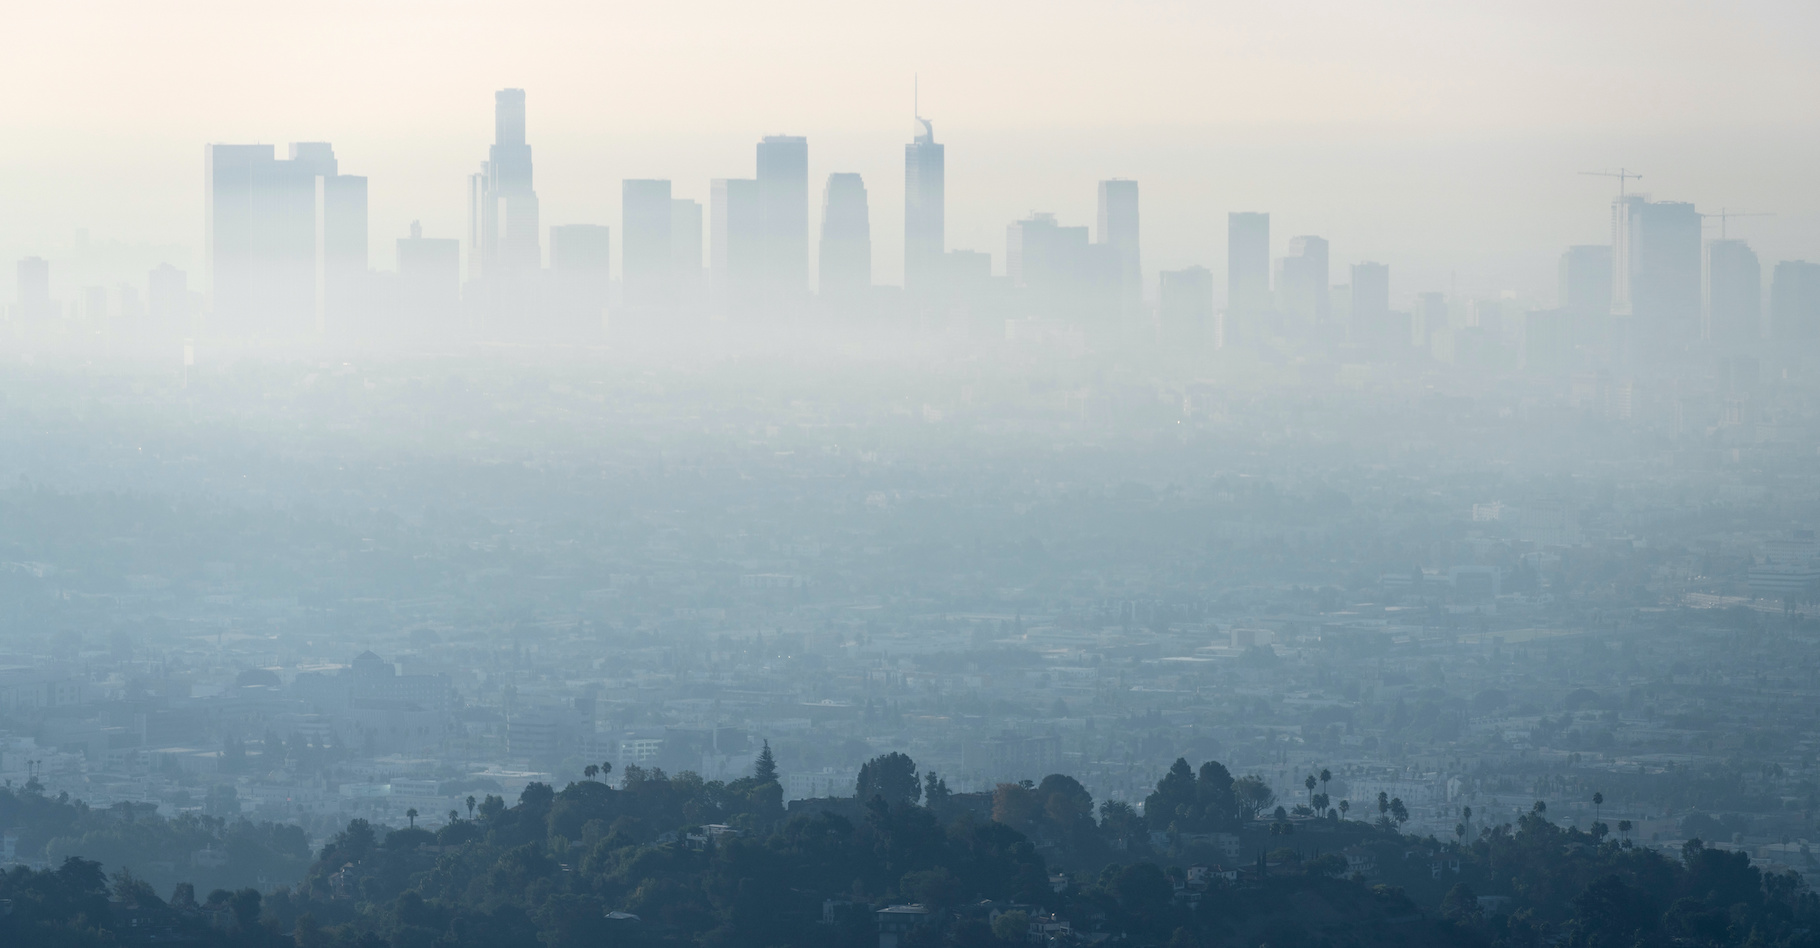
(646, 254)
(1370, 303)
(925, 210)
(429, 283)
(1795, 302)
(502, 211)
(1584, 281)
(1247, 269)
(1062, 274)
(1734, 298)
(783, 194)
(1302, 276)
(1118, 230)
(736, 242)
(846, 240)
(286, 240)
(1661, 261)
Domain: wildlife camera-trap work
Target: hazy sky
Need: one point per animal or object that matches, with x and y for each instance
(1442, 138)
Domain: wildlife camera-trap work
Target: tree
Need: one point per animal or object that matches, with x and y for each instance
(591, 771)
(411, 814)
(1252, 796)
(245, 906)
(891, 777)
(470, 802)
(1309, 783)
(1398, 811)
(765, 769)
(1012, 926)
(1326, 775)
(1344, 806)
(1598, 800)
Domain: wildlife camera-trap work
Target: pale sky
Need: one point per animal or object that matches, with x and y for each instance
(1442, 138)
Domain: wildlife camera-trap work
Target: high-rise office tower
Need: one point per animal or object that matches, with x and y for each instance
(1185, 314)
(647, 278)
(34, 288)
(1794, 299)
(502, 210)
(1301, 289)
(1428, 319)
(686, 247)
(1370, 302)
(783, 194)
(736, 243)
(429, 283)
(1657, 252)
(1118, 230)
(1584, 281)
(846, 244)
(286, 240)
(925, 210)
(1062, 274)
(1247, 263)
(1734, 297)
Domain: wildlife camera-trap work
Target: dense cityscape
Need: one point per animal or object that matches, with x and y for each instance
(702, 590)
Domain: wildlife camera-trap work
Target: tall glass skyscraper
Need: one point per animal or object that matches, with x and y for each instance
(502, 204)
(925, 222)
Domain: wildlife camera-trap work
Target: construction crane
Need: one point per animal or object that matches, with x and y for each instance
(1622, 174)
(1725, 215)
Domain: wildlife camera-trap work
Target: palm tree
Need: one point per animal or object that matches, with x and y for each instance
(454, 815)
(470, 802)
(1344, 806)
(591, 771)
(1309, 783)
(1326, 775)
(1598, 800)
(411, 814)
(1624, 830)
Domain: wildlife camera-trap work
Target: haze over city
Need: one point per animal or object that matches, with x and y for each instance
(963, 476)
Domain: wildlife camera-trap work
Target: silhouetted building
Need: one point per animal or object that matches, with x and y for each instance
(783, 194)
(925, 197)
(1658, 252)
(1584, 281)
(1794, 298)
(34, 287)
(429, 283)
(737, 242)
(1118, 230)
(1185, 315)
(646, 254)
(1247, 264)
(1734, 299)
(286, 240)
(1062, 274)
(1428, 319)
(1301, 289)
(1371, 303)
(502, 211)
(846, 242)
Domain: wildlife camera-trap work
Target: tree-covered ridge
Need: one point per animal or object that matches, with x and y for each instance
(679, 861)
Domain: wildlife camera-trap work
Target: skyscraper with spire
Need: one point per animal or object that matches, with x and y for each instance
(502, 205)
(924, 209)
